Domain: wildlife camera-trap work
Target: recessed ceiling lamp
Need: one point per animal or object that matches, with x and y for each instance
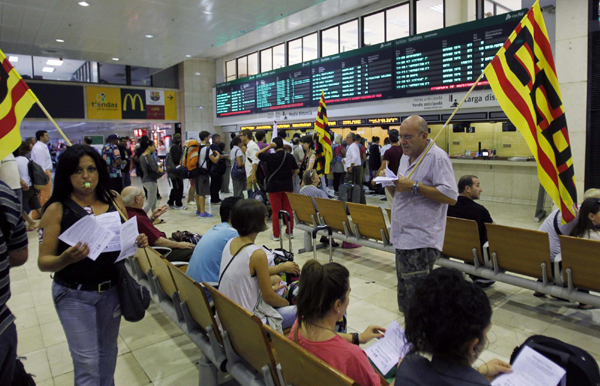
(83, 4)
(116, 59)
(148, 36)
(60, 40)
(207, 12)
(48, 69)
(197, 73)
(54, 62)
(188, 56)
(13, 59)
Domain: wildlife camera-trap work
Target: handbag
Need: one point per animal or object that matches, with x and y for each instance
(133, 297)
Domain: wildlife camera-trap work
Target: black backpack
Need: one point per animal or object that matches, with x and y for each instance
(39, 178)
(581, 367)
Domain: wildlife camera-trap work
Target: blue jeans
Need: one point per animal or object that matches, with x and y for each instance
(91, 322)
(288, 313)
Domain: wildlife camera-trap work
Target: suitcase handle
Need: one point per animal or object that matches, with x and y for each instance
(315, 230)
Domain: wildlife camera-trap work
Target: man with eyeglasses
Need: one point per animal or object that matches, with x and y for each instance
(419, 207)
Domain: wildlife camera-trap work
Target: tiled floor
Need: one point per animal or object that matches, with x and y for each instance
(155, 351)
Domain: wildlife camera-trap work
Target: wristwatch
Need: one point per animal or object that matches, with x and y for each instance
(415, 188)
(355, 338)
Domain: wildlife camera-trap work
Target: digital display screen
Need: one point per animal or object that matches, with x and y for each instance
(354, 76)
(445, 60)
(235, 98)
(284, 88)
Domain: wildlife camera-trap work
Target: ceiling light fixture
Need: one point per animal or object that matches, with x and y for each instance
(148, 36)
(83, 4)
(48, 69)
(116, 59)
(54, 62)
(13, 59)
(198, 73)
(60, 40)
(188, 56)
(207, 12)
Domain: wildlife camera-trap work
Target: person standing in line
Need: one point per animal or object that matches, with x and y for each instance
(238, 160)
(206, 158)
(41, 156)
(216, 177)
(13, 253)
(386, 145)
(176, 195)
(251, 158)
(152, 172)
(362, 147)
(420, 206)
(353, 161)
(282, 169)
(391, 159)
(261, 139)
(112, 157)
(227, 176)
(30, 199)
(374, 157)
(337, 163)
(125, 152)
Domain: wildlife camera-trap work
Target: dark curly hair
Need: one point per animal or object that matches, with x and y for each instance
(445, 313)
(68, 162)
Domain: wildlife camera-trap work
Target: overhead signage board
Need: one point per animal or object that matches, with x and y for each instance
(103, 103)
(435, 62)
(69, 105)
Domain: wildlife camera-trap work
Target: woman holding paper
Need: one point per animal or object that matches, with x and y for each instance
(84, 290)
(448, 318)
(322, 300)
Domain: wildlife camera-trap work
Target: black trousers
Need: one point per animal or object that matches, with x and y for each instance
(180, 254)
(215, 187)
(337, 179)
(176, 192)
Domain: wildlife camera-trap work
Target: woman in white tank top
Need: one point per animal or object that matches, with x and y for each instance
(244, 273)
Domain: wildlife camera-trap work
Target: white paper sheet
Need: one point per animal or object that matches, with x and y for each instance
(389, 179)
(128, 236)
(112, 222)
(387, 351)
(87, 230)
(531, 369)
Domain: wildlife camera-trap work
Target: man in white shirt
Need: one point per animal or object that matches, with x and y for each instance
(251, 158)
(353, 161)
(41, 156)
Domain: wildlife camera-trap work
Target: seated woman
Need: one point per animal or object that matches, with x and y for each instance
(244, 274)
(323, 298)
(310, 187)
(448, 318)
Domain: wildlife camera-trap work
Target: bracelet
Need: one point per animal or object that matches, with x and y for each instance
(355, 338)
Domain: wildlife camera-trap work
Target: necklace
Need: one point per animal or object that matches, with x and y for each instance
(324, 328)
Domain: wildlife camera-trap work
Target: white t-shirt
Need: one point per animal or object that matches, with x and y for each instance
(203, 161)
(251, 158)
(9, 172)
(384, 148)
(352, 156)
(237, 283)
(41, 155)
(548, 227)
(23, 165)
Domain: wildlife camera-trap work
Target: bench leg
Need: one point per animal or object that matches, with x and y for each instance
(207, 372)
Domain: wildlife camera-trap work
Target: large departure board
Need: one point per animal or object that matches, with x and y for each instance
(354, 76)
(444, 60)
(284, 88)
(236, 97)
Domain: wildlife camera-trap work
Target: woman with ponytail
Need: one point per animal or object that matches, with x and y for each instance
(323, 298)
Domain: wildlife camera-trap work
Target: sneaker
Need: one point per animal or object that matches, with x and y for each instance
(182, 207)
(290, 235)
(174, 207)
(206, 214)
(191, 202)
(274, 238)
(198, 213)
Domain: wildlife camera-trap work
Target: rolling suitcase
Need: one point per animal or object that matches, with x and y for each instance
(314, 240)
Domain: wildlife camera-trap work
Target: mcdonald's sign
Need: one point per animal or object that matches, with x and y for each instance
(134, 104)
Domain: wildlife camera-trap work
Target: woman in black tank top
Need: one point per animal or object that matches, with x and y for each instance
(84, 290)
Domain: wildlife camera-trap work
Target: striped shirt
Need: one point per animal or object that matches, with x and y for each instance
(312, 191)
(13, 236)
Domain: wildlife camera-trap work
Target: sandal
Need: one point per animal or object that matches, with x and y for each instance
(159, 221)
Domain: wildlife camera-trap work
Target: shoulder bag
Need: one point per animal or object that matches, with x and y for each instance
(133, 297)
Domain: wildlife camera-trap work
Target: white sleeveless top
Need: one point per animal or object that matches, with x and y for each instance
(237, 284)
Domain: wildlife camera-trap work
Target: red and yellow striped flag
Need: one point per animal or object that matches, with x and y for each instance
(523, 78)
(323, 143)
(16, 100)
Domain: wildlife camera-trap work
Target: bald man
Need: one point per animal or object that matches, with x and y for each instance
(419, 206)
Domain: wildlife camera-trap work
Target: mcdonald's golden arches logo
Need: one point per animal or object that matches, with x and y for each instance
(132, 99)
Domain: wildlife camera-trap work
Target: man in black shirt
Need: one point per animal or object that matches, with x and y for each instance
(469, 190)
(217, 171)
(176, 195)
(125, 156)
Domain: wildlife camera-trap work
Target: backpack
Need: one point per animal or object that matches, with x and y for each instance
(581, 367)
(39, 178)
(217, 169)
(190, 157)
(170, 165)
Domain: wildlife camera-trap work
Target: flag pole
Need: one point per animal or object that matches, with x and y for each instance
(447, 122)
(52, 120)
